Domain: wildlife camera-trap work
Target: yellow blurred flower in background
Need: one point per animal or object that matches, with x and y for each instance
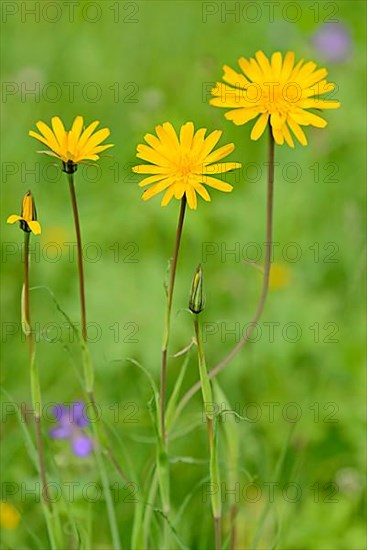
(9, 516)
(280, 276)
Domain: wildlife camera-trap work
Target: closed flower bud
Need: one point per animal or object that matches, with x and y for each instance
(197, 294)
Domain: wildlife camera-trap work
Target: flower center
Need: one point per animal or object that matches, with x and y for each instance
(279, 98)
(185, 165)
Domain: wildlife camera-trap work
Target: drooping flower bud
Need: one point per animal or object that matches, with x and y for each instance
(28, 218)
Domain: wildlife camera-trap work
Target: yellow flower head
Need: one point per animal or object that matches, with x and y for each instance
(28, 217)
(277, 90)
(72, 146)
(182, 164)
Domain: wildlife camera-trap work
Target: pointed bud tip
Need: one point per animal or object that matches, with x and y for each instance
(197, 294)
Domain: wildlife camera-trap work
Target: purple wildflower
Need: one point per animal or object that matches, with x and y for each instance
(333, 42)
(72, 420)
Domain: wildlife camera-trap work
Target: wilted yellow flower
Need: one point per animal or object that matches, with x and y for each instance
(182, 164)
(9, 516)
(197, 294)
(275, 90)
(75, 145)
(28, 218)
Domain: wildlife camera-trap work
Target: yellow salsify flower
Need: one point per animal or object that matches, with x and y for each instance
(28, 218)
(275, 90)
(182, 165)
(9, 516)
(72, 146)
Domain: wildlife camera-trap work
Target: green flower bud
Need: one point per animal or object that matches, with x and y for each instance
(197, 294)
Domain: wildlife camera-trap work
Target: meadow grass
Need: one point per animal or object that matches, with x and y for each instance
(156, 69)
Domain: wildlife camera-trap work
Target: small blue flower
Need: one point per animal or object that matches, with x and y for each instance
(72, 419)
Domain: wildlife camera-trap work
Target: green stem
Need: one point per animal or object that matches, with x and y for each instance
(34, 375)
(162, 452)
(89, 372)
(106, 487)
(80, 255)
(168, 316)
(265, 285)
(213, 451)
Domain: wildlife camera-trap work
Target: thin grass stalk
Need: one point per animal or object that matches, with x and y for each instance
(88, 367)
(47, 507)
(212, 439)
(34, 375)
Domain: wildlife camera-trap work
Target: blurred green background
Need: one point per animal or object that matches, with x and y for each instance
(133, 65)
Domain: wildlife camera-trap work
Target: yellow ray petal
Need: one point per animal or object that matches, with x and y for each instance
(234, 79)
(151, 155)
(251, 69)
(168, 196)
(75, 133)
(186, 135)
(198, 141)
(278, 136)
(59, 131)
(191, 198)
(221, 167)
(35, 227)
(226, 96)
(259, 126)
(156, 188)
(209, 144)
(39, 137)
(149, 169)
(13, 218)
(264, 65)
(297, 130)
(52, 142)
(287, 67)
(216, 184)
(305, 118)
(287, 136)
(150, 179)
(276, 65)
(86, 134)
(319, 104)
(220, 153)
(241, 116)
(96, 139)
(202, 192)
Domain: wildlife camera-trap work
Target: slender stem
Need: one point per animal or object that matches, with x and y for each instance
(35, 385)
(27, 316)
(233, 516)
(265, 286)
(213, 456)
(168, 316)
(80, 254)
(41, 460)
(107, 449)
